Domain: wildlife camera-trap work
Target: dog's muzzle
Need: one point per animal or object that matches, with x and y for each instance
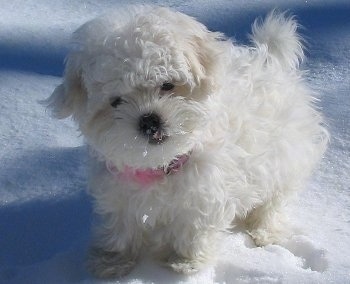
(151, 126)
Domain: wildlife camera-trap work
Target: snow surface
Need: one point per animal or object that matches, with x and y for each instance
(44, 213)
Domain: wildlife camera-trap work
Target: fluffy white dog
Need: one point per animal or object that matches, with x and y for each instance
(189, 133)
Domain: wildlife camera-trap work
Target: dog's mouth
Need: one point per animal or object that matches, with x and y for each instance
(176, 164)
(157, 138)
(147, 176)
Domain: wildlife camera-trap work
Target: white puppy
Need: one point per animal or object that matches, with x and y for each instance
(189, 133)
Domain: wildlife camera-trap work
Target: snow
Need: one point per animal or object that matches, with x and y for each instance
(45, 214)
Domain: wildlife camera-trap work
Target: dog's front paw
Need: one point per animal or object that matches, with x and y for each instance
(182, 265)
(109, 264)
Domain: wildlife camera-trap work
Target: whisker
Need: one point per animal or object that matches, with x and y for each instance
(163, 155)
(145, 149)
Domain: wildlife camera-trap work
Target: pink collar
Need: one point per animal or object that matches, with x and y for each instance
(147, 177)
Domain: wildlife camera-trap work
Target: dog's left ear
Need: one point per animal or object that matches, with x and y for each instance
(69, 96)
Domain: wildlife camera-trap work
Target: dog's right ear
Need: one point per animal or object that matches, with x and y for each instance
(69, 96)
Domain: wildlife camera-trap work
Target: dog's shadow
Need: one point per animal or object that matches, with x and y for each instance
(45, 211)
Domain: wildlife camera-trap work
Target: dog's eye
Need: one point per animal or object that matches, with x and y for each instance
(116, 101)
(167, 86)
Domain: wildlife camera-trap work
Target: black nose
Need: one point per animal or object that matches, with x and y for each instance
(150, 125)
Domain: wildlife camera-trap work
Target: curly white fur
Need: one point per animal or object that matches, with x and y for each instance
(244, 114)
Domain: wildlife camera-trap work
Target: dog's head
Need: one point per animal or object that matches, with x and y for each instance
(140, 85)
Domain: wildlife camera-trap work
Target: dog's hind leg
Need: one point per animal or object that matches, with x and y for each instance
(267, 223)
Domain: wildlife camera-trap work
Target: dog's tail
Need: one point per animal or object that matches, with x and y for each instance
(277, 36)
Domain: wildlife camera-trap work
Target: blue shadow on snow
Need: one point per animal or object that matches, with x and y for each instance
(36, 59)
(36, 230)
